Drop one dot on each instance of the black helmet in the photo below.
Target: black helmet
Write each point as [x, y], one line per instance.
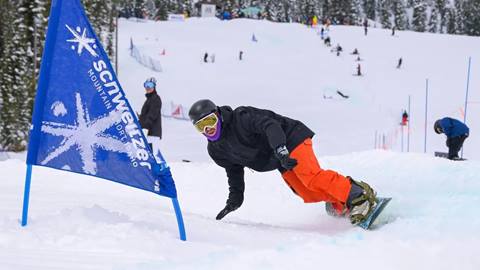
[437, 127]
[200, 109]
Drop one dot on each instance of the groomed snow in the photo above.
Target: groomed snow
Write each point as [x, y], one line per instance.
[81, 222]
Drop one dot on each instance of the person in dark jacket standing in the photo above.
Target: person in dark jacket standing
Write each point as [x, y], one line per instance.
[456, 133]
[264, 141]
[150, 117]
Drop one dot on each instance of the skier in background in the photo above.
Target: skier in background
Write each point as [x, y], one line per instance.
[327, 41]
[150, 117]
[359, 70]
[205, 57]
[456, 133]
[399, 62]
[404, 118]
[265, 141]
[338, 49]
[365, 26]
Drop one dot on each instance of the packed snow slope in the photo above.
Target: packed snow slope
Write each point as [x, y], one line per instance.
[291, 71]
[82, 222]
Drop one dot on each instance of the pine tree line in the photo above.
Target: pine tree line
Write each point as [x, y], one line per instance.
[22, 37]
[23, 27]
[435, 16]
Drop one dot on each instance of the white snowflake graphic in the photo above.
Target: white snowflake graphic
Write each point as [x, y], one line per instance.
[87, 135]
[58, 109]
[83, 41]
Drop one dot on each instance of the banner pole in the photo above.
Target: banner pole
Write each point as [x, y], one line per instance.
[426, 116]
[408, 125]
[466, 96]
[178, 214]
[26, 194]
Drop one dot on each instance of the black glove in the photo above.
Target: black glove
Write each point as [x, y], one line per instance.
[284, 156]
[228, 208]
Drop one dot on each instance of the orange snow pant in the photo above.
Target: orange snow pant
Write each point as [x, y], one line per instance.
[312, 183]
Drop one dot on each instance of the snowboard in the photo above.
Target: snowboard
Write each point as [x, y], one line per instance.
[445, 155]
[367, 224]
[382, 202]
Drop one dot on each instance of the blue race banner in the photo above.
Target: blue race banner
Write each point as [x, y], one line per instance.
[82, 121]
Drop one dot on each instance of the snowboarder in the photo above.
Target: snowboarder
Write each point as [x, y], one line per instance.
[150, 117]
[456, 133]
[265, 141]
[399, 62]
[205, 57]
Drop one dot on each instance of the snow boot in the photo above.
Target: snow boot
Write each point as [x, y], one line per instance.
[336, 209]
[360, 202]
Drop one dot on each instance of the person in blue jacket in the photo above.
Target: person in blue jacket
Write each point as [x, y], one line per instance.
[456, 133]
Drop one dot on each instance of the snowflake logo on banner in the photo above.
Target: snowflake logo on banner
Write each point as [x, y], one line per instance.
[82, 40]
[87, 135]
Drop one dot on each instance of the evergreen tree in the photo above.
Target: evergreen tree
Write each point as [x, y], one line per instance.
[441, 6]
[101, 14]
[325, 7]
[162, 10]
[472, 13]
[286, 11]
[369, 8]
[272, 10]
[341, 12]
[356, 13]
[419, 16]
[3, 25]
[139, 9]
[433, 21]
[399, 14]
[450, 17]
[16, 72]
[384, 11]
[459, 17]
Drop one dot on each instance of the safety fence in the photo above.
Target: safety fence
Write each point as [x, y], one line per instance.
[177, 111]
[143, 58]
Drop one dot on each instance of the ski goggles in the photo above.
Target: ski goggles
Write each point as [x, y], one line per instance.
[149, 85]
[210, 121]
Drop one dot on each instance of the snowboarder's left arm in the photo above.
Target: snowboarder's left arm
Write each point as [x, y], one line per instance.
[262, 124]
[271, 128]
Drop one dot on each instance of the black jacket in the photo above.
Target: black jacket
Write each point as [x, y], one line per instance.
[248, 139]
[150, 116]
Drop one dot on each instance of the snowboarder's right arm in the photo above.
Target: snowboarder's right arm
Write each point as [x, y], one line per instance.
[236, 184]
[236, 188]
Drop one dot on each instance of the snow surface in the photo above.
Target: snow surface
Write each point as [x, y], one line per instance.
[82, 222]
